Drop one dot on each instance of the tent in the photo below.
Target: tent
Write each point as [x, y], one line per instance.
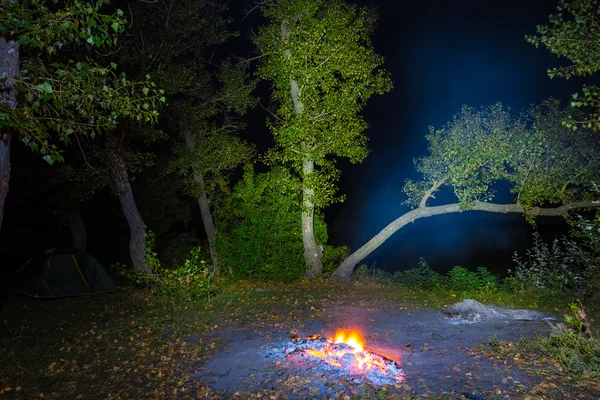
[63, 272]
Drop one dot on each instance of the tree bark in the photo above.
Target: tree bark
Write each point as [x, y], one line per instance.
[344, 271]
[137, 240]
[312, 251]
[78, 231]
[9, 69]
[207, 221]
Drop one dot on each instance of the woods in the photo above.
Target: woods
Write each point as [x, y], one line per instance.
[151, 100]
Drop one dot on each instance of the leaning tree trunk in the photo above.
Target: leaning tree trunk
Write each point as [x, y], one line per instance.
[312, 251]
[137, 240]
[9, 69]
[344, 271]
[78, 231]
[209, 226]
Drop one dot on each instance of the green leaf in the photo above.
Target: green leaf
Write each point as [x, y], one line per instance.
[145, 90]
[45, 87]
[115, 26]
[49, 159]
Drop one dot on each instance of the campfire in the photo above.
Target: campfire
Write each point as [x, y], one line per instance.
[345, 355]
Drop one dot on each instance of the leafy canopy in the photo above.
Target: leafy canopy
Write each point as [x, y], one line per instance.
[544, 161]
[574, 33]
[318, 55]
[60, 96]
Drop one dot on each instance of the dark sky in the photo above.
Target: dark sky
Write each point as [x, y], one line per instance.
[443, 54]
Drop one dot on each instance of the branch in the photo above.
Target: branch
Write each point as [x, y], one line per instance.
[429, 193]
[343, 272]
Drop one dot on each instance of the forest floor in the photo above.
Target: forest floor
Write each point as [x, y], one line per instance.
[132, 344]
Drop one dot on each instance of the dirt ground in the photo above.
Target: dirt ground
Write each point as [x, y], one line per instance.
[433, 351]
[132, 345]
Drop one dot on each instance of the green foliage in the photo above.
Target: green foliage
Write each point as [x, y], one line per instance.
[570, 266]
[260, 232]
[574, 33]
[421, 277]
[469, 154]
[573, 345]
[550, 163]
[544, 161]
[461, 279]
[190, 282]
[332, 257]
[58, 96]
[319, 58]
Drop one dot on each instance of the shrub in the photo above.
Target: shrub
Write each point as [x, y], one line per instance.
[260, 234]
[421, 277]
[570, 265]
[191, 282]
[573, 347]
[332, 258]
[461, 279]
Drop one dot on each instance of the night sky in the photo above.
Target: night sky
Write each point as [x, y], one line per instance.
[441, 55]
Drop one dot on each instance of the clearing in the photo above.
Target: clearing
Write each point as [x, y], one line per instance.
[131, 344]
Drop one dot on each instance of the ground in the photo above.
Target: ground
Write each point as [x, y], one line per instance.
[131, 344]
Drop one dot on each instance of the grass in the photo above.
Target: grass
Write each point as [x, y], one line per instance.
[134, 344]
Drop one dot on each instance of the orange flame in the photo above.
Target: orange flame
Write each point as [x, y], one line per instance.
[352, 338]
[354, 357]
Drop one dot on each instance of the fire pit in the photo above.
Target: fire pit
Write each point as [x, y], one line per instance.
[344, 355]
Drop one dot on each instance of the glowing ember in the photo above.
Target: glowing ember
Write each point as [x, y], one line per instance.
[346, 354]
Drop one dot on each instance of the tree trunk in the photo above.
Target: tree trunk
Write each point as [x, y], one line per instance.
[207, 221]
[312, 251]
[137, 240]
[78, 232]
[344, 271]
[9, 68]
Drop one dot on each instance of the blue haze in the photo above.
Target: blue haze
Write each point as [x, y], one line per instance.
[442, 55]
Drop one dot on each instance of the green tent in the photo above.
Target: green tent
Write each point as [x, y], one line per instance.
[63, 272]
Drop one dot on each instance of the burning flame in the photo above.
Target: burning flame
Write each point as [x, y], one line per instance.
[352, 338]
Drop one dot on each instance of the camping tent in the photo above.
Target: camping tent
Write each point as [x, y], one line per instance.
[63, 272]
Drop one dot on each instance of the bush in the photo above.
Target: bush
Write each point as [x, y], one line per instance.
[570, 266]
[421, 277]
[461, 279]
[572, 345]
[332, 258]
[260, 233]
[193, 281]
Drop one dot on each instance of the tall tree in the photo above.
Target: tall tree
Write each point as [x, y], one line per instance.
[574, 33]
[319, 58]
[175, 43]
[550, 168]
[47, 96]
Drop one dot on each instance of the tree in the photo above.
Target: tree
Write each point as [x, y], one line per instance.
[574, 33]
[173, 42]
[323, 68]
[48, 97]
[551, 169]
